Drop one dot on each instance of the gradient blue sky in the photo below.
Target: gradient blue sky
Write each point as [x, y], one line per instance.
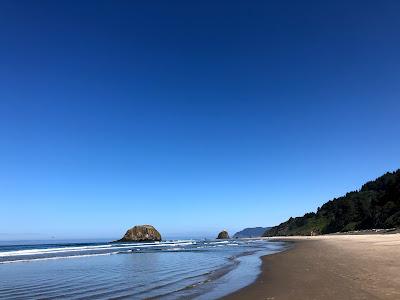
[193, 116]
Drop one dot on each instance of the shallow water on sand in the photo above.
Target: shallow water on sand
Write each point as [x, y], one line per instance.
[167, 270]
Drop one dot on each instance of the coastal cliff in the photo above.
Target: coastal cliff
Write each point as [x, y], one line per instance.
[375, 205]
[250, 232]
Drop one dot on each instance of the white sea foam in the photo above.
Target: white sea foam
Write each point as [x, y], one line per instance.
[216, 243]
[52, 251]
[58, 257]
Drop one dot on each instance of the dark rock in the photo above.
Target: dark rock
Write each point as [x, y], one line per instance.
[141, 233]
[223, 235]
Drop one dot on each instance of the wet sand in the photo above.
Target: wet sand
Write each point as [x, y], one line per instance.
[330, 267]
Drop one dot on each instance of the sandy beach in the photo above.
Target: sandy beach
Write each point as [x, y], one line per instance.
[330, 267]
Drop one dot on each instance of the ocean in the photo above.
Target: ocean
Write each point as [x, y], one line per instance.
[176, 269]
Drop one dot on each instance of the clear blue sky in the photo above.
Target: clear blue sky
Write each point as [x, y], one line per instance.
[193, 116]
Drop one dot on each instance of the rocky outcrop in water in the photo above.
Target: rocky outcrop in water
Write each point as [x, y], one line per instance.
[223, 235]
[141, 233]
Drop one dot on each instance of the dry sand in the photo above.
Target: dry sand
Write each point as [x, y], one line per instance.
[330, 267]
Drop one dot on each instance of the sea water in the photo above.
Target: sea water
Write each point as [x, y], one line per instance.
[167, 270]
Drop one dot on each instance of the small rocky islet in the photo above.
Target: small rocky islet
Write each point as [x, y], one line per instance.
[223, 235]
[148, 233]
[141, 233]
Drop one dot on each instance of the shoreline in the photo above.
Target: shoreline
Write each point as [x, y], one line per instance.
[244, 272]
[329, 267]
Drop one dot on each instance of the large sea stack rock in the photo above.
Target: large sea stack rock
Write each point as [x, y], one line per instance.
[223, 235]
[141, 233]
